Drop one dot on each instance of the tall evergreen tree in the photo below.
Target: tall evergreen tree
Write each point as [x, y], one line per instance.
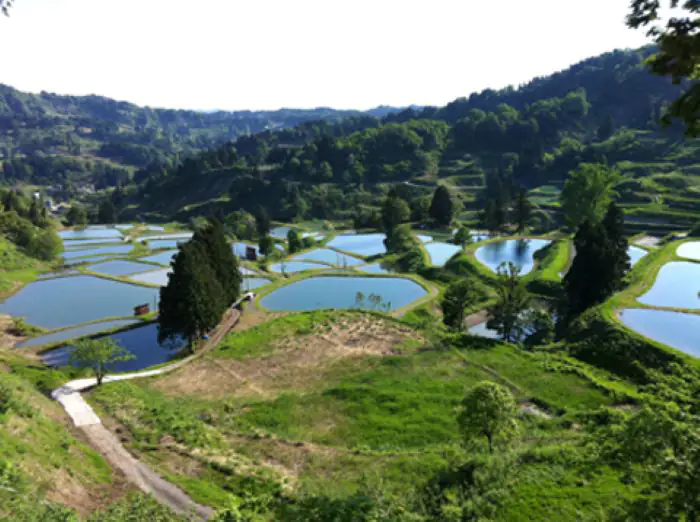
[522, 211]
[600, 264]
[614, 223]
[107, 213]
[221, 258]
[442, 207]
[192, 302]
[262, 222]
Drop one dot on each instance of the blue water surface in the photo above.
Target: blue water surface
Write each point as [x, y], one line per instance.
[517, 251]
[68, 301]
[74, 333]
[318, 293]
[677, 330]
[676, 286]
[141, 342]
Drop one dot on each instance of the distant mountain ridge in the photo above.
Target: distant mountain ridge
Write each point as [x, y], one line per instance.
[47, 138]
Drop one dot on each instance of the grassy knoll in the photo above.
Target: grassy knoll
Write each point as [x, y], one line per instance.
[314, 407]
[40, 459]
[16, 268]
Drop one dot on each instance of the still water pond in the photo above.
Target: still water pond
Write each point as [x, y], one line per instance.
[165, 243]
[441, 252]
[117, 249]
[155, 277]
[67, 301]
[360, 244]
[74, 333]
[676, 286]
[520, 252]
[91, 233]
[141, 342]
[77, 261]
[375, 268]
[326, 255]
[636, 254]
[680, 331]
[292, 267]
[119, 267]
[163, 258]
[87, 243]
[251, 283]
[314, 293]
[690, 250]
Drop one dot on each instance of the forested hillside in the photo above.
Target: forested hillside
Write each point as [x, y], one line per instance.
[52, 139]
[605, 109]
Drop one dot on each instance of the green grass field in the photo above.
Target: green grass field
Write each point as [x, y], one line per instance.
[385, 413]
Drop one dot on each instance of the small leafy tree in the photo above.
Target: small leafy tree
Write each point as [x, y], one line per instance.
[294, 241]
[267, 245]
[394, 212]
[488, 410]
[507, 314]
[463, 236]
[77, 216]
[98, 355]
[588, 192]
[458, 297]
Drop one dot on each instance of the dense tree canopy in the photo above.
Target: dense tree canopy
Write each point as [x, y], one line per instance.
[679, 53]
[587, 193]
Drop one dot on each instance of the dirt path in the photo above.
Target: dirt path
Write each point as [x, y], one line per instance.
[85, 418]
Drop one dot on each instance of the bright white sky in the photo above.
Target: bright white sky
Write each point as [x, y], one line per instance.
[267, 54]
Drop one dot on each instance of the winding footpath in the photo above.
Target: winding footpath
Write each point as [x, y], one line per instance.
[109, 446]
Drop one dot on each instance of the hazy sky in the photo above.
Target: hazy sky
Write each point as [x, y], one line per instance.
[266, 54]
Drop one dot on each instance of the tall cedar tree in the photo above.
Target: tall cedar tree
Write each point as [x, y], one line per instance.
[192, 302]
[442, 207]
[221, 258]
[600, 264]
[523, 209]
[614, 223]
[107, 213]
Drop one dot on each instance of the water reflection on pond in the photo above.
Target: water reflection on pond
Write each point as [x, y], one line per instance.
[141, 342]
[360, 244]
[73, 333]
[676, 286]
[67, 301]
[520, 252]
[440, 253]
[680, 331]
[326, 255]
[318, 293]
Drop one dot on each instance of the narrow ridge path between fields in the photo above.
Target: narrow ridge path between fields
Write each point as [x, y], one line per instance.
[109, 446]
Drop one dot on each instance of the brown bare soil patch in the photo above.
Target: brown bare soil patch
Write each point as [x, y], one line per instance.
[295, 362]
[8, 338]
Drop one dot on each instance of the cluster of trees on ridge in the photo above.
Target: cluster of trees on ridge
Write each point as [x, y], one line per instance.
[25, 221]
[593, 112]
